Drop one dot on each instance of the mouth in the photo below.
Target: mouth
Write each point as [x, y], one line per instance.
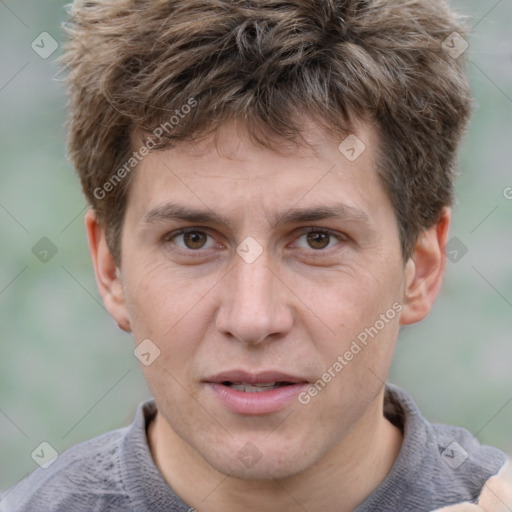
[255, 382]
[255, 388]
[255, 393]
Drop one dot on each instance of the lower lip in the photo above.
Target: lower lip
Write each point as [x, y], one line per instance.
[263, 402]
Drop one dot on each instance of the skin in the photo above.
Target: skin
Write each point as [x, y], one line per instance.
[295, 309]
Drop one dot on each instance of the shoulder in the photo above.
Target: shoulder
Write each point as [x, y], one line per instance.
[114, 472]
[84, 477]
[482, 474]
[463, 462]
[496, 495]
[438, 465]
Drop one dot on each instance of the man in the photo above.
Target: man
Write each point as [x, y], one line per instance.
[270, 187]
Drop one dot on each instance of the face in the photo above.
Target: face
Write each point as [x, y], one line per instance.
[272, 284]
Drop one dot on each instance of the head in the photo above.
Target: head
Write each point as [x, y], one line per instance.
[228, 119]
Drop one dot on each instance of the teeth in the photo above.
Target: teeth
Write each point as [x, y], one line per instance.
[254, 388]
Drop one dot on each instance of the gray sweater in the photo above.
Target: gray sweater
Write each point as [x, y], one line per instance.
[437, 466]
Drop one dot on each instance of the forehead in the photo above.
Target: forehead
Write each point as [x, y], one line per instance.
[227, 173]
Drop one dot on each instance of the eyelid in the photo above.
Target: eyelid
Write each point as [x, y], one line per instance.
[309, 229]
[170, 236]
[342, 237]
[299, 232]
[341, 240]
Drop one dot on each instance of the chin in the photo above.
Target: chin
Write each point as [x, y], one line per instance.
[268, 462]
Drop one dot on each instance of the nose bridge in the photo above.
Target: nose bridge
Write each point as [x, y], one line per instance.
[253, 282]
[253, 307]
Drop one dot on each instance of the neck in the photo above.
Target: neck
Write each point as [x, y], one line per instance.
[339, 482]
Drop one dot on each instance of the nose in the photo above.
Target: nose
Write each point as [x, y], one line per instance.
[255, 305]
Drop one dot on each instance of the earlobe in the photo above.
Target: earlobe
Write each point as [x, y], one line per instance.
[108, 275]
[424, 271]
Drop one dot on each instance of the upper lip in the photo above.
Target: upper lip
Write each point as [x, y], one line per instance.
[263, 377]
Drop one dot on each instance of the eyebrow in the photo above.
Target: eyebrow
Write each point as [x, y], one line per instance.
[173, 211]
[338, 211]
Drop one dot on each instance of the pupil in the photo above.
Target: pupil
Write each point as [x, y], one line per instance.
[194, 240]
[318, 240]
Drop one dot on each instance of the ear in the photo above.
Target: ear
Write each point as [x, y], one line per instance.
[108, 275]
[424, 271]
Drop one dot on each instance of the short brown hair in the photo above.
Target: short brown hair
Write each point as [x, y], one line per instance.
[135, 63]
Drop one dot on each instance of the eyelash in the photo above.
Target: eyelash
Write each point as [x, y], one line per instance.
[190, 252]
[340, 237]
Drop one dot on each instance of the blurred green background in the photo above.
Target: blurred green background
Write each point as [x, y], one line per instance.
[67, 373]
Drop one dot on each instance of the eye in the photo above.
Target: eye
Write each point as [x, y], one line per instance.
[318, 239]
[191, 239]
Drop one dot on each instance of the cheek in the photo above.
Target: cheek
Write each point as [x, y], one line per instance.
[160, 299]
[361, 310]
[174, 312]
[353, 299]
